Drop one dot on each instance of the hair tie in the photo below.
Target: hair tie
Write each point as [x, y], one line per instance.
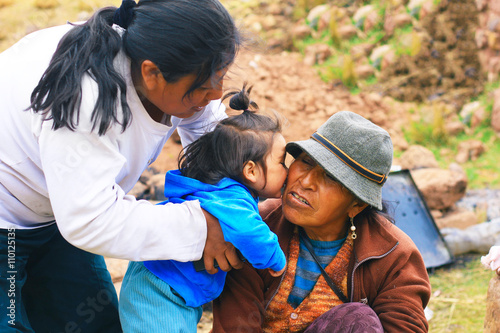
[124, 15]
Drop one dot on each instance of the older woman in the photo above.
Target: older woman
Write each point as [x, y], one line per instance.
[349, 268]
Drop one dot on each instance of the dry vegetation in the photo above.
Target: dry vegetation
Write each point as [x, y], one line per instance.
[20, 17]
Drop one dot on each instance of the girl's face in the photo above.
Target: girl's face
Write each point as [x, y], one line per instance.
[317, 202]
[271, 182]
[170, 99]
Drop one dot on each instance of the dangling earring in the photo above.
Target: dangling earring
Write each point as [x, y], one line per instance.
[353, 228]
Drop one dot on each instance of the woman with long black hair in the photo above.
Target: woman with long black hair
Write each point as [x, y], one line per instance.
[85, 109]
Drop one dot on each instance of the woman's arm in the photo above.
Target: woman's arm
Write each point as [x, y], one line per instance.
[82, 173]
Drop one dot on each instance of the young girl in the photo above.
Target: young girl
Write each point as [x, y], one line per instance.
[227, 170]
[85, 109]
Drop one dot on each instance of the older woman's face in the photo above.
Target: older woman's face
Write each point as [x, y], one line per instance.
[315, 201]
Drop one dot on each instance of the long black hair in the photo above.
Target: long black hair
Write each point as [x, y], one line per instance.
[234, 141]
[180, 37]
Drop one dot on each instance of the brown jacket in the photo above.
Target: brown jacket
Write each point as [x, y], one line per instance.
[387, 272]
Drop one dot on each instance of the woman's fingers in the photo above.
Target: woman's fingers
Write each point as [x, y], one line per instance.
[215, 244]
[216, 248]
[233, 257]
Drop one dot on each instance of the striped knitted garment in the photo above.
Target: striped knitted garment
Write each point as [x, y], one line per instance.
[282, 317]
[308, 271]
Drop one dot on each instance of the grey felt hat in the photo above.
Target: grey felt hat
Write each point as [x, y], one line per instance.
[353, 150]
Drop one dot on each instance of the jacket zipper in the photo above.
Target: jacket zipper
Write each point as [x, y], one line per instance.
[363, 261]
[276, 291]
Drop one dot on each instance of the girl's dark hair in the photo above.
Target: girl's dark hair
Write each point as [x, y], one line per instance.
[180, 37]
[234, 141]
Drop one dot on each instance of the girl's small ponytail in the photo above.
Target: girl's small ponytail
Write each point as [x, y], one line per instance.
[240, 100]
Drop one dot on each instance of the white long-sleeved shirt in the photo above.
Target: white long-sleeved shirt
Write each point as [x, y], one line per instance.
[80, 179]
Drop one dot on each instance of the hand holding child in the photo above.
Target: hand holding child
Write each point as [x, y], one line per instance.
[216, 248]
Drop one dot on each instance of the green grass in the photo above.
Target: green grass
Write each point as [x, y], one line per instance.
[484, 172]
[459, 296]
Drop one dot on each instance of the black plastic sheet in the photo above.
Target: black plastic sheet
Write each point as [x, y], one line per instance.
[407, 206]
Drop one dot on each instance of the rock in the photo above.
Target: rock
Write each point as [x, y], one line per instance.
[388, 59]
[440, 188]
[366, 17]
[301, 31]
[275, 9]
[459, 218]
[396, 21]
[483, 200]
[454, 128]
[347, 31]
[492, 318]
[481, 5]
[481, 38]
[147, 174]
[469, 150]
[378, 53]
[428, 7]
[325, 18]
[315, 14]
[156, 186]
[478, 238]
[473, 114]
[316, 54]
[268, 22]
[139, 190]
[371, 20]
[399, 141]
[389, 25]
[361, 50]
[402, 19]
[364, 71]
[417, 157]
[455, 167]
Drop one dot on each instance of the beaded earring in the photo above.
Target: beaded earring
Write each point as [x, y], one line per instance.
[353, 228]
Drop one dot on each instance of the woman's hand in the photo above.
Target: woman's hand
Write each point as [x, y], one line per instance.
[216, 248]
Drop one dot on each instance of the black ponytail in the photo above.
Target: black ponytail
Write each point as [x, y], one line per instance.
[240, 100]
[86, 49]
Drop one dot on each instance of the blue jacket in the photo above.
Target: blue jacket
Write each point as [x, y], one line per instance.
[236, 209]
